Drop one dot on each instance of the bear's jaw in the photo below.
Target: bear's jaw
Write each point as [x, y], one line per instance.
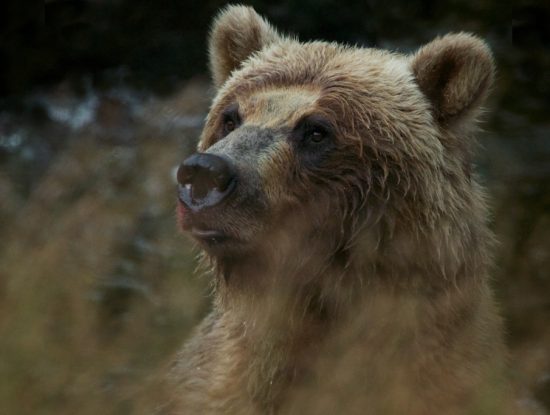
[311, 289]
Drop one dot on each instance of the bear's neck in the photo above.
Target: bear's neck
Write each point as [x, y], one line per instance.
[280, 331]
[290, 313]
[284, 334]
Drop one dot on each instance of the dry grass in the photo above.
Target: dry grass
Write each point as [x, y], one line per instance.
[97, 287]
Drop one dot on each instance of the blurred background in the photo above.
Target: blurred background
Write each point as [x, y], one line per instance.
[99, 102]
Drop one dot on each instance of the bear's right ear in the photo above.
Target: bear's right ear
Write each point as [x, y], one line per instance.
[455, 72]
[237, 32]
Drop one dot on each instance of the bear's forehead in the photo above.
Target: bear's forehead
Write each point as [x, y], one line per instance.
[351, 75]
[324, 64]
[282, 105]
[355, 88]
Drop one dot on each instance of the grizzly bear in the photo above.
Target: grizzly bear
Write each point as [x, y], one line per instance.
[334, 198]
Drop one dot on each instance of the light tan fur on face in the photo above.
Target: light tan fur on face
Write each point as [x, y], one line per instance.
[274, 172]
[370, 294]
[278, 108]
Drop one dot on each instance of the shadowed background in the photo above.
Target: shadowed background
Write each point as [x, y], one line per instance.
[99, 102]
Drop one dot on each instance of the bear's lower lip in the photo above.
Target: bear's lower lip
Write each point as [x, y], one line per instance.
[210, 236]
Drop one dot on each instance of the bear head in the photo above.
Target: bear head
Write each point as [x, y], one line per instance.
[321, 156]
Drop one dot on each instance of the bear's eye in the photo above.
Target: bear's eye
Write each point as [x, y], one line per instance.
[313, 130]
[230, 120]
[313, 139]
[229, 125]
[315, 134]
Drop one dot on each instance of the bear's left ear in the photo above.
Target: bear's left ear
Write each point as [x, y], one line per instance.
[455, 72]
[237, 32]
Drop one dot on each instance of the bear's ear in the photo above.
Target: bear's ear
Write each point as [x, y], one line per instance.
[455, 72]
[237, 32]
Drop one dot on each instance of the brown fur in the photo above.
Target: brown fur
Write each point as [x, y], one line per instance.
[360, 281]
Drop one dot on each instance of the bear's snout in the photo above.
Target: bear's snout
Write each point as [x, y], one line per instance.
[205, 180]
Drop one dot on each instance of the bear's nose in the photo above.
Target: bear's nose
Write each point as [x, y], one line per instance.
[205, 180]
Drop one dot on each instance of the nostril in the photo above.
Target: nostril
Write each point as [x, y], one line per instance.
[222, 180]
[205, 180]
[184, 175]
